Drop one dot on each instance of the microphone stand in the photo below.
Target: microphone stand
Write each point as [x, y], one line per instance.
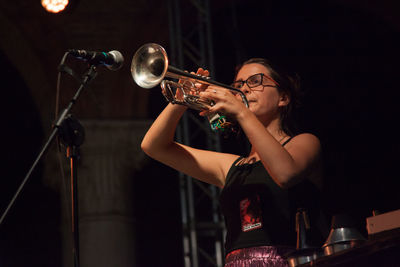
[88, 77]
[72, 135]
[72, 154]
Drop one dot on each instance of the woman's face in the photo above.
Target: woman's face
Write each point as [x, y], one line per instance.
[265, 99]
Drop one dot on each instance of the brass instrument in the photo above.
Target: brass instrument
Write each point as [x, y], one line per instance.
[150, 66]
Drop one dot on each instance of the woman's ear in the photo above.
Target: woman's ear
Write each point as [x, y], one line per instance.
[284, 100]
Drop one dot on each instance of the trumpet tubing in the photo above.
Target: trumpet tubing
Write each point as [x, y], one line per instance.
[150, 66]
[189, 97]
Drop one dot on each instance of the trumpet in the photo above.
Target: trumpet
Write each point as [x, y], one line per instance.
[150, 66]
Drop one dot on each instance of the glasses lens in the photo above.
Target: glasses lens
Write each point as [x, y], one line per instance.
[254, 80]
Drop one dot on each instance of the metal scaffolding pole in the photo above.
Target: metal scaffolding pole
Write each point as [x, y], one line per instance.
[202, 224]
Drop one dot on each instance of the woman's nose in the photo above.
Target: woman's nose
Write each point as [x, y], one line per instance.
[245, 89]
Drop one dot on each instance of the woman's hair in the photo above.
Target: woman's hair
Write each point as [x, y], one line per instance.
[288, 84]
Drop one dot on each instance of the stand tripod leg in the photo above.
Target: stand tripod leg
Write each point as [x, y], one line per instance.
[71, 154]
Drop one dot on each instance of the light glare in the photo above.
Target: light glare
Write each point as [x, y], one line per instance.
[54, 6]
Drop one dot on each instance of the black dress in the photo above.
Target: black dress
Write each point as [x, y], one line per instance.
[258, 212]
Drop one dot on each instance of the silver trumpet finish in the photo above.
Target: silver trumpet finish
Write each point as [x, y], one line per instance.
[189, 92]
[150, 66]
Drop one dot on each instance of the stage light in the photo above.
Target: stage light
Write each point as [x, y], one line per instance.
[54, 6]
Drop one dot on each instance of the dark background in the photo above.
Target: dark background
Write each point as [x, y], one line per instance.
[346, 52]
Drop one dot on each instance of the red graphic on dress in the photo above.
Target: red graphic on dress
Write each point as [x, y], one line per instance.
[250, 213]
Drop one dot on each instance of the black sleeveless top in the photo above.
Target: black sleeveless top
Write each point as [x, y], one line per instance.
[260, 213]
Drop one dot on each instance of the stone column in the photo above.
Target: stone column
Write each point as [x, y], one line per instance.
[110, 156]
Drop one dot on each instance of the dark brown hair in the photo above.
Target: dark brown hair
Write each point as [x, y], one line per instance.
[289, 85]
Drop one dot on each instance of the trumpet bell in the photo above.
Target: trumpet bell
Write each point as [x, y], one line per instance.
[149, 65]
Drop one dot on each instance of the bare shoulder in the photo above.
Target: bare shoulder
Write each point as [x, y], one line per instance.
[305, 148]
[305, 140]
[306, 137]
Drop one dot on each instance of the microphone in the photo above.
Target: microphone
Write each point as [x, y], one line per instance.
[113, 60]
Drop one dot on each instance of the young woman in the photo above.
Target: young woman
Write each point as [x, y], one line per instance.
[262, 190]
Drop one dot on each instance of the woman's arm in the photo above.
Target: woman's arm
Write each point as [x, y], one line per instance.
[286, 165]
[208, 166]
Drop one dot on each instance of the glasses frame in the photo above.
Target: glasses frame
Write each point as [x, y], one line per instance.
[261, 83]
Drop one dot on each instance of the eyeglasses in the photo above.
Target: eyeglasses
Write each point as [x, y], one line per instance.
[254, 81]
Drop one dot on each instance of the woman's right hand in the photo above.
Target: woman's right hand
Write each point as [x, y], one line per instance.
[189, 82]
[203, 73]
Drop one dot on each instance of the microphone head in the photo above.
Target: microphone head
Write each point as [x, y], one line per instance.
[118, 60]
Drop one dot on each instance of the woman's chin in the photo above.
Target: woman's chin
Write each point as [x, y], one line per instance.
[253, 106]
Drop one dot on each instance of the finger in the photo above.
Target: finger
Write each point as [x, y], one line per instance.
[206, 112]
[208, 94]
[203, 72]
[218, 88]
[181, 80]
[212, 88]
[213, 94]
[217, 107]
[203, 113]
[203, 86]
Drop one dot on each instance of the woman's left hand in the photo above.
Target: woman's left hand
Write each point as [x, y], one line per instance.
[225, 102]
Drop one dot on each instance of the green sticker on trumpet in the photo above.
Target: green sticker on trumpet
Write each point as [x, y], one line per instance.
[218, 122]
